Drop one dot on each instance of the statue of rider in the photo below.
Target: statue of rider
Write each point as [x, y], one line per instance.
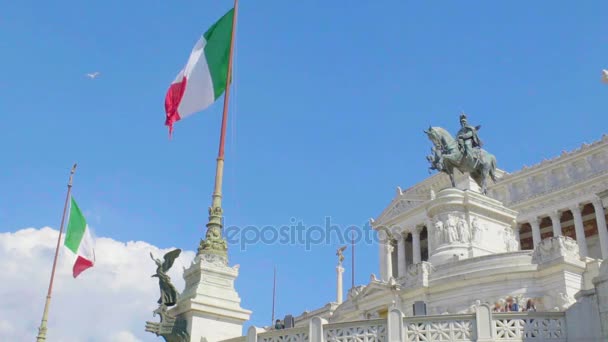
[467, 137]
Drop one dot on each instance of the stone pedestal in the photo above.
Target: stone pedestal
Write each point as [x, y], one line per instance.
[467, 224]
[209, 302]
[465, 182]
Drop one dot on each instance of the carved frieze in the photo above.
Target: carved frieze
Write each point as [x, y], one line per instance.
[451, 228]
[563, 200]
[555, 247]
[477, 230]
[552, 176]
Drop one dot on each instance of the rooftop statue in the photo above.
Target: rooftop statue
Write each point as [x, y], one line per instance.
[463, 153]
[172, 329]
[340, 254]
[168, 294]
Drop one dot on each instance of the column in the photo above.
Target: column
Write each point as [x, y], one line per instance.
[339, 273]
[600, 218]
[417, 257]
[401, 262]
[535, 225]
[557, 226]
[381, 258]
[428, 237]
[516, 228]
[579, 229]
[388, 251]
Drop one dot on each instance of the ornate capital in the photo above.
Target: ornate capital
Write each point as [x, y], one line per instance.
[576, 209]
[534, 222]
[555, 215]
[597, 201]
[389, 248]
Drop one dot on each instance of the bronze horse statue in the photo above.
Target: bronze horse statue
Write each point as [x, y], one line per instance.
[447, 156]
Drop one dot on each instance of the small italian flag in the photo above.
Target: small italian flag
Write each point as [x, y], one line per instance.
[78, 239]
[203, 79]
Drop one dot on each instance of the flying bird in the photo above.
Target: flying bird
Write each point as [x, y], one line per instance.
[605, 76]
[93, 75]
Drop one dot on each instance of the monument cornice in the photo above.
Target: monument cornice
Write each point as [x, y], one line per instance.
[563, 198]
[565, 157]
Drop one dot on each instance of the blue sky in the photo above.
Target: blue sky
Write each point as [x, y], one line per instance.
[327, 118]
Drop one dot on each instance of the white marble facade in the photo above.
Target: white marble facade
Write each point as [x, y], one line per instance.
[534, 237]
[536, 240]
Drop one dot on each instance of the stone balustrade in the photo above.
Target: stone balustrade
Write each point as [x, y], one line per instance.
[480, 326]
[292, 335]
[530, 326]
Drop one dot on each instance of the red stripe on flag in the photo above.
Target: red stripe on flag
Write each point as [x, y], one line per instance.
[172, 100]
[80, 265]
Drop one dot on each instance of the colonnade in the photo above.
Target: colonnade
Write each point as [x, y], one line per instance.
[397, 251]
[579, 229]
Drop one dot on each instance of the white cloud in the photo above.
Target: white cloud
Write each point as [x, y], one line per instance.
[109, 302]
[124, 336]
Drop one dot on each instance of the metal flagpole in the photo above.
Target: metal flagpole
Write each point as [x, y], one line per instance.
[42, 329]
[353, 259]
[274, 287]
[214, 243]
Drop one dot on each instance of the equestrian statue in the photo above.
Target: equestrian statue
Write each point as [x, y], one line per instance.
[463, 153]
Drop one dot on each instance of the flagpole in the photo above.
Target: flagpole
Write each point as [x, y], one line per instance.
[274, 286]
[42, 329]
[214, 243]
[353, 259]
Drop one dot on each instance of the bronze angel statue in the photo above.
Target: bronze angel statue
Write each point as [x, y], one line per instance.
[168, 294]
[340, 254]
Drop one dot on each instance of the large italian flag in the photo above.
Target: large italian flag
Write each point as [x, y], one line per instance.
[78, 239]
[203, 79]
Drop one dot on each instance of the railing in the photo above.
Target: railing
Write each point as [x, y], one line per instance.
[362, 331]
[532, 326]
[481, 326]
[440, 328]
[286, 335]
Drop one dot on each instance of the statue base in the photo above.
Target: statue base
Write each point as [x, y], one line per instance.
[467, 224]
[209, 303]
[465, 182]
[170, 328]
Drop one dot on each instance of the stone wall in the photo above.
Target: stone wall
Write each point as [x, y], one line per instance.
[587, 319]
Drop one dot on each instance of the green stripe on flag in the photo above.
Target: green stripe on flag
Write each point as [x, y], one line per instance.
[217, 51]
[76, 227]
